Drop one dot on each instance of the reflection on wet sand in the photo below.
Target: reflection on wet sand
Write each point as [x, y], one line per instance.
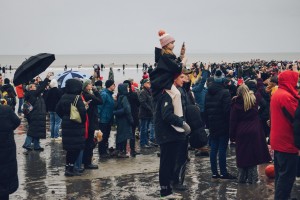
[41, 176]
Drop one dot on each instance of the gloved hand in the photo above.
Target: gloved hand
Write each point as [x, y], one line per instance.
[186, 127]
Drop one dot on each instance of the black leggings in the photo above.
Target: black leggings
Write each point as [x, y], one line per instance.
[71, 156]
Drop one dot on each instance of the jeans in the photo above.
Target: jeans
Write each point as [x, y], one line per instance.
[29, 140]
[285, 173]
[78, 162]
[55, 122]
[145, 125]
[21, 101]
[218, 146]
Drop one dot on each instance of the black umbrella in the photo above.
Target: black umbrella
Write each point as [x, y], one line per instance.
[32, 67]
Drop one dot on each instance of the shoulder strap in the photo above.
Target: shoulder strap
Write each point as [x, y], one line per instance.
[76, 100]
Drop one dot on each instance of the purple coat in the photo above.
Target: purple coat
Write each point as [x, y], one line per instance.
[246, 130]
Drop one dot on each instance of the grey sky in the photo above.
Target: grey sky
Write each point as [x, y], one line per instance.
[119, 26]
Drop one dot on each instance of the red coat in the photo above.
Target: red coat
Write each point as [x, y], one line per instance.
[282, 136]
[20, 91]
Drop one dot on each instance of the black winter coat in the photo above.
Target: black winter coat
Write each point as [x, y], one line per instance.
[163, 119]
[37, 117]
[95, 100]
[53, 97]
[9, 182]
[217, 106]
[134, 102]
[72, 132]
[146, 106]
[162, 77]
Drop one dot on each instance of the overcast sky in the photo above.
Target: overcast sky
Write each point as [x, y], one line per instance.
[119, 26]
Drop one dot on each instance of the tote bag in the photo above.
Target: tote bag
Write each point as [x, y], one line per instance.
[74, 114]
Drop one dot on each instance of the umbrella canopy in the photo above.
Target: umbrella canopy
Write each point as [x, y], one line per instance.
[32, 67]
[62, 78]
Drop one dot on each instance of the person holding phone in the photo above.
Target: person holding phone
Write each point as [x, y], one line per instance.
[92, 97]
[168, 67]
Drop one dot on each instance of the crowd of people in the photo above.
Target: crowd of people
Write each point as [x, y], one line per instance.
[249, 104]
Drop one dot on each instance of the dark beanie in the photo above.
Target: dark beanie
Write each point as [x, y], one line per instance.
[219, 76]
[109, 83]
[98, 83]
[6, 81]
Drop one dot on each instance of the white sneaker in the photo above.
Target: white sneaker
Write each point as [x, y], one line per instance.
[58, 139]
[178, 129]
[172, 196]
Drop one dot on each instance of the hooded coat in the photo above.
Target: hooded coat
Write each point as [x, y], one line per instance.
[37, 117]
[9, 182]
[247, 131]
[72, 132]
[53, 96]
[285, 99]
[162, 77]
[123, 115]
[217, 107]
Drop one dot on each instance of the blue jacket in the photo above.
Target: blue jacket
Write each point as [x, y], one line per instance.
[200, 91]
[106, 109]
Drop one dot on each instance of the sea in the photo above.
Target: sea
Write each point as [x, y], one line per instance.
[131, 60]
[84, 63]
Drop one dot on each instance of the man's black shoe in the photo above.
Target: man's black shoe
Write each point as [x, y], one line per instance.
[39, 149]
[27, 148]
[91, 166]
[228, 176]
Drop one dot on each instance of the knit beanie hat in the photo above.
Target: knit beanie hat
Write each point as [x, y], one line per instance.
[98, 83]
[53, 83]
[86, 83]
[164, 38]
[219, 76]
[144, 81]
[109, 83]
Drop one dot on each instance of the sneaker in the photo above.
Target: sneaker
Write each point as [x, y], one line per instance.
[172, 196]
[27, 148]
[153, 144]
[39, 149]
[58, 139]
[216, 176]
[228, 176]
[145, 146]
[122, 155]
[134, 154]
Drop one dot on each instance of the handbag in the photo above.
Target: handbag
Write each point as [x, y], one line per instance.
[74, 113]
[26, 108]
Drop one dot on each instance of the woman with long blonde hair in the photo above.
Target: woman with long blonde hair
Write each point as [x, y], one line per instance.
[246, 130]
